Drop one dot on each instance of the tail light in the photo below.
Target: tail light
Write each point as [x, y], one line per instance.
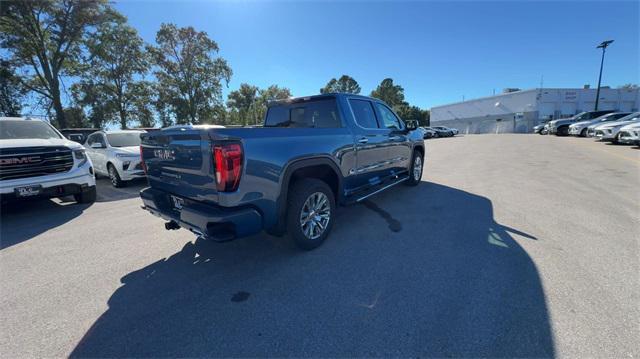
[227, 161]
[144, 165]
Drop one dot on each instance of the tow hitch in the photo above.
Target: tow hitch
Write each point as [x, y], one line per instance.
[171, 225]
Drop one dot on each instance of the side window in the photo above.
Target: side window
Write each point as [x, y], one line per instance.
[363, 111]
[389, 119]
[91, 140]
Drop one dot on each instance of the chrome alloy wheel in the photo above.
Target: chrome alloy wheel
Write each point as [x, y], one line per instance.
[417, 168]
[113, 176]
[315, 215]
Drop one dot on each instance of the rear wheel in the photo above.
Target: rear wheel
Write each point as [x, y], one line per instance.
[563, 131]
[415, 172]
[88, 196]
[114, 177]
[583, 133]
[310, 212]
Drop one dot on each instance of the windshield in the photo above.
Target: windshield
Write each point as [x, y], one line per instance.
[125, 139]
[581, 116]
[26, 129]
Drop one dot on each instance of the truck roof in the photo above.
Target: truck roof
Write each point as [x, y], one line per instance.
[316, 97]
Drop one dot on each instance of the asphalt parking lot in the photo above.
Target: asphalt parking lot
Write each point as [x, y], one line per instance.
[513, 245]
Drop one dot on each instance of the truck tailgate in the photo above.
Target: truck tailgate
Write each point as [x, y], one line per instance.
[179, 161]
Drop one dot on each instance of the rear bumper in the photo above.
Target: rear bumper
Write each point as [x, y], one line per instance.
[213, 222]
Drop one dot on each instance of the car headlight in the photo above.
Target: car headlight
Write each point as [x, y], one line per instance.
[80, 155]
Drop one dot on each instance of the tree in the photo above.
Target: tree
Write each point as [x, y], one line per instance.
[75, 117]
[45, 37]
[345, 84]
[271, 93]
[189, 73]
[11, 91]
[243, 103]
[629, 86]
[408, 112]
[392, 94]
[117, 59]
[90, 98]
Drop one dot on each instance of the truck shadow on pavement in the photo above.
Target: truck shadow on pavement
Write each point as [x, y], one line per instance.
[446, 280]
[21, 221]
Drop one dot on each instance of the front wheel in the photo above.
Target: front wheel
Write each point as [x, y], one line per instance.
[114, 177]
[310, 213]
[415, 172]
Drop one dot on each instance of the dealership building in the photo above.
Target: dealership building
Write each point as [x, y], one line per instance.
[519, 110]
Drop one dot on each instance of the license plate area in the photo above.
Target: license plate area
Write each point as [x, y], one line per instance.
[28, 191]
[176, 202]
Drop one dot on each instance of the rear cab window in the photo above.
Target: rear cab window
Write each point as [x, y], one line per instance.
[315, 113]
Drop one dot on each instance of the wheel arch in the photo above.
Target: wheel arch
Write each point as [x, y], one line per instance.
[320, 167]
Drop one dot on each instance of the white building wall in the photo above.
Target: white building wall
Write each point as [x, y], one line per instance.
[520, 111]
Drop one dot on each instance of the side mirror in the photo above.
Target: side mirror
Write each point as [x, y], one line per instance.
[411, 125]
[97, 145]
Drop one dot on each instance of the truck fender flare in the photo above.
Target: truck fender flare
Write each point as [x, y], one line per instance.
[290, 168]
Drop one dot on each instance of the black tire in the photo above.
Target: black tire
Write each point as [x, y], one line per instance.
[436, 135]
[616, 139]
[299, 194]
[114, 177]
[563, 131]
[583, 133]
[88, 196]
[414, 178]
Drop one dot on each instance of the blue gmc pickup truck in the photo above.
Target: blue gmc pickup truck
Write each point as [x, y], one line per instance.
[311, 154]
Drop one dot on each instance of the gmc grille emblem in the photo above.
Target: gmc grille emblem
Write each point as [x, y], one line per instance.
[19, 160]
[167, 155]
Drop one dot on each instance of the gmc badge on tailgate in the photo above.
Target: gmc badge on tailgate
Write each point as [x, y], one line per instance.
[164, 154]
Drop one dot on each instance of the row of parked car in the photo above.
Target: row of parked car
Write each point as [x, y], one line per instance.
[616, 127]
[438, 131]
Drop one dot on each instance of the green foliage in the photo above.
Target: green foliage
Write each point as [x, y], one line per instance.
[46, 37]
[189, 73]
[248, 104]
[11, 90]
[117, 58]
[629, 86]
[392, 95]
[242, 103]
[345, 84]
[408, 112]
[76, 118]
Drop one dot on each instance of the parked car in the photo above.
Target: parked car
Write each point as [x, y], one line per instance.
[311, 154]
[630, 134]
[582, 128]
[428, 132]
[37, 161]
[609, 131]
[116, 154]
[442, 131]
[561, 127]
[538, 129]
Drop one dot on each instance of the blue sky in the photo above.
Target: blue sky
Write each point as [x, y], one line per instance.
[438, 51]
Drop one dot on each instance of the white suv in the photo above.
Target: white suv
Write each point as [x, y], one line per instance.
[116, 154]
[37, 161]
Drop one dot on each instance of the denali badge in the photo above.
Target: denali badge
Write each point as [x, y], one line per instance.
[19, 160]
[167, 155]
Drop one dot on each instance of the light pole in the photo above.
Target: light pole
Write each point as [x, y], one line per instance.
[603, 45]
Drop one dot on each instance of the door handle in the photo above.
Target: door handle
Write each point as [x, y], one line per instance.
[363, 140]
